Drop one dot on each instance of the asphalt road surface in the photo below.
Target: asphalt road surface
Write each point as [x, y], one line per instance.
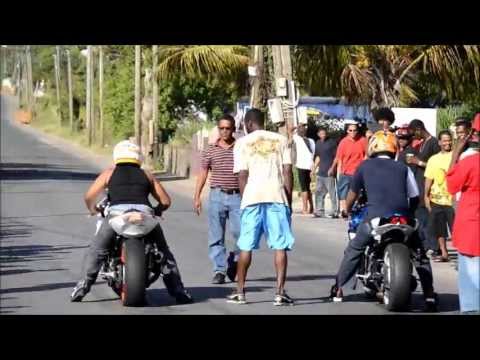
[45, 232]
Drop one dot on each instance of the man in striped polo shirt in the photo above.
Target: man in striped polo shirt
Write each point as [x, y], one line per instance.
[224, 199]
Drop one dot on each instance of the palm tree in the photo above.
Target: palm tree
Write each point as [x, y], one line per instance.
[387, 75]
[224, 61]
[318, 68]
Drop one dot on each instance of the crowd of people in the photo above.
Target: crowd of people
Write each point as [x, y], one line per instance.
[431, 161]
[251, 187]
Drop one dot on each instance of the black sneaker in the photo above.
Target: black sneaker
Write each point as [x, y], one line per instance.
[219, 278]
[431, 304]
[79, 291]
[232, 267]
[237, 298]
[283, 299]
[183, 298]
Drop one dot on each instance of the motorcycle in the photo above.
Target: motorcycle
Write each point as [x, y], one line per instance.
[386, 265]
[134, 261]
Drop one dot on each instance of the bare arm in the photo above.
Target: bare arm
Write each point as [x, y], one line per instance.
[158, 192]
[316, 164]
[242, 180]
[458, 149]
[428, 187]
[96, 189]
[332, 170]
[350, 200]
[288, 178]
[201, 179]
[416, 161]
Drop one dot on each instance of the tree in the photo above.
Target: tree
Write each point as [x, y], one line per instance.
[203, 61]
[388, 75]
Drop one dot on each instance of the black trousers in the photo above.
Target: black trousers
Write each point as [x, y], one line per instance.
[102, 243]
[424, 229]
[356, 248]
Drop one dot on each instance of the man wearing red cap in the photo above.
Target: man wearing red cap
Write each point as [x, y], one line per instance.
[464, 176]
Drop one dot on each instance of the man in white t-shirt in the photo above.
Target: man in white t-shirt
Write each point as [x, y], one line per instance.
[305, 148]
[263, 162]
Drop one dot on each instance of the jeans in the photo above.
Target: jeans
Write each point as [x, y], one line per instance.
[469, 282]
[356, 248]
[325, 185]
[424, 229]
[221, 207]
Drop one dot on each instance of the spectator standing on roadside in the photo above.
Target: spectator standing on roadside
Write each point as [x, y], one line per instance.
[429, 147]
[325, 150]
[438, 201]
[305, 147]
[351, 152]
[464, 176]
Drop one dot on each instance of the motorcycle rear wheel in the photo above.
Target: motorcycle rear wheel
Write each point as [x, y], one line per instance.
[134, 273]
[397, 270]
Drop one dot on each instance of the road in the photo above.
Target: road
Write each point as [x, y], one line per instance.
[45, 232]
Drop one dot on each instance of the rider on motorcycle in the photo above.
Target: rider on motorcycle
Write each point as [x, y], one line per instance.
[128, 187]
[390, 188]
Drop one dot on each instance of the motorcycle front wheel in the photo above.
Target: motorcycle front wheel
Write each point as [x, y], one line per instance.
[397, 270]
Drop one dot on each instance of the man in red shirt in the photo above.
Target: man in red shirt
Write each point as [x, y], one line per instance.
[464, 176]
[350, 153]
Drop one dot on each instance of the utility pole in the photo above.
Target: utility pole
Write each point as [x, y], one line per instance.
[93, 121]
[282, 67]
[29, 81]
[88, 107]
[4, 62]
[57, 86]
[70, 90]
[256, 95]
[100, 94]
[155, 102]
[138, 129]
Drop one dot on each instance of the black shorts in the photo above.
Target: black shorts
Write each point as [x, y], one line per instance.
[304, 179]
[441, 220]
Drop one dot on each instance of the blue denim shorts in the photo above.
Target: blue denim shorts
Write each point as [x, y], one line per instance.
[343, 186]
[271, 219]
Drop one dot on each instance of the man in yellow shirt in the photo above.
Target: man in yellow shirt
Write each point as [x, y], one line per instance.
[437, 199]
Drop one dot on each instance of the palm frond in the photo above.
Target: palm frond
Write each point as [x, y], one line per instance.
[202, 60]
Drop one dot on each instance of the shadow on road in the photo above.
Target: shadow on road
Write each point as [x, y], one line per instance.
[447, 303]
[44, 287]
[22, 175]
[297, 278]
[3, 311]
[29, 253]
[15, 229]
[160, 297]
[24, 271]
[6, 165]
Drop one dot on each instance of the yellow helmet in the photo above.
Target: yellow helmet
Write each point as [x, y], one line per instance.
[382, 141]
[127, 152]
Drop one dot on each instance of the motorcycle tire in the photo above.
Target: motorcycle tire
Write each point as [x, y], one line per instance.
[134, 273]
[397, 277]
